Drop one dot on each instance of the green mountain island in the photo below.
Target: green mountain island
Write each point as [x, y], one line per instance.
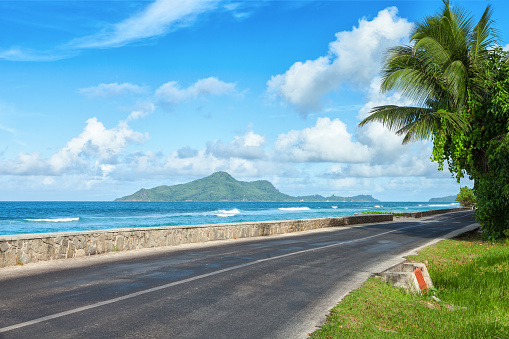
[221, 186]
[449, 198]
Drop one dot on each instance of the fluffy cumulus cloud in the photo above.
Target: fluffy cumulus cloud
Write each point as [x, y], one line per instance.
[96, 148]
[354, 58]
[390, 158]
[171, 93]
[185, 163]
[387, 145]
[248, 146]
[97, 142]
[111, 90]
[327, 141]
[156, 19]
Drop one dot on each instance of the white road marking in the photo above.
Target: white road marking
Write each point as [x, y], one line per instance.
[180, 282]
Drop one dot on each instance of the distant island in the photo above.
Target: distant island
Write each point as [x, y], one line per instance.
[449, 198]
[221, 186]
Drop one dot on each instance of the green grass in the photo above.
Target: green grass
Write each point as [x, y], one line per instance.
[470, 275]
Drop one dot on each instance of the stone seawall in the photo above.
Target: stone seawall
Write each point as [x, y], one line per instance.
[435, 212]
[31, 248]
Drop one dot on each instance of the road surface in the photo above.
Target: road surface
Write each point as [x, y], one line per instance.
[267, 287]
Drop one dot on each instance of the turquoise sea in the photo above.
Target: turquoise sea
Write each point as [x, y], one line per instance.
[43, 217]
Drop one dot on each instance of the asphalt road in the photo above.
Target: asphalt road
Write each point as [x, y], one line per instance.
[271, 287]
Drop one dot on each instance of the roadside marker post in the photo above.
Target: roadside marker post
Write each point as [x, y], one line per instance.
[420, 280]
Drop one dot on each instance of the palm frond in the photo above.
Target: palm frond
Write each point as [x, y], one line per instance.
[431, 123]
[416, 123]
[483, 37]
[457, 76]
[442, 67]
[395, 117]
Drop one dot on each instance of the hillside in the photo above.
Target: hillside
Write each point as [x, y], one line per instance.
[449, 198]
[221, 186]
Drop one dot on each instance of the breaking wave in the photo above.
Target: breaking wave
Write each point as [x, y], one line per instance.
[226, 213]
[444, 205]
[54, 220]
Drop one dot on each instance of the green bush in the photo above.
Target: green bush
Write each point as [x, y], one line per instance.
[466, 197]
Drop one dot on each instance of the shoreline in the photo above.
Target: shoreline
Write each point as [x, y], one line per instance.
[49, 217]
[20, 249]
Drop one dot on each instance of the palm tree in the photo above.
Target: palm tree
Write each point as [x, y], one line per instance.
[439, 72]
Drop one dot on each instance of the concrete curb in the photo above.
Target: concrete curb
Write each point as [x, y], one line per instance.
[405, 276]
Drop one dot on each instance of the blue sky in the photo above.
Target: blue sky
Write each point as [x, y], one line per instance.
[101, 98]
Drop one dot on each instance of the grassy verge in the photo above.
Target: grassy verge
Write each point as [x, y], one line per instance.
[471, 280]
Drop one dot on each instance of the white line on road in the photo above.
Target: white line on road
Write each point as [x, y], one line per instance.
[180, 282]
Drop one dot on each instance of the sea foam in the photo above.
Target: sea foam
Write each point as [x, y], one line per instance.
[294, 208]
[444, 205]
[226, 213]
[55, 220]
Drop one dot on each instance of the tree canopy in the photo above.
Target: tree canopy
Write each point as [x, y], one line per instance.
[458, 79]
[466, 197]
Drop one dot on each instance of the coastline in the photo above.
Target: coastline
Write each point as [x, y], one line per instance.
[32, 248]
[49, 217]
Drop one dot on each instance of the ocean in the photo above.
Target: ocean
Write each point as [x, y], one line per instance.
[44, 217]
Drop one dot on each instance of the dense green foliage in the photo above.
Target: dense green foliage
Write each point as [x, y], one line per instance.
[466, 197]
[221, 186]
[482, 150]
[459, 82]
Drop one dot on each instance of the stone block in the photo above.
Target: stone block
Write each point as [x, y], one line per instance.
[70, 250]
[4, 246]
[9, 258]
[22, 258]
[90, 249]
[80, 253]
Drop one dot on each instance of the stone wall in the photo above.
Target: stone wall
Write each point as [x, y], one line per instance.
[434, 212]
[31, 248]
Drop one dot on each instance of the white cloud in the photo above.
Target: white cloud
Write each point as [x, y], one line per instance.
[237, 10]
[389, 157]
[245, 147]
[408, 165]
[95, 148]
[111, 90]
[142, 111]
[387, 146]
[355, 58]
[327, 141]
[172, 94]
[356, 184]
[198, 164]
[506, 48]
[95, 141]
[31, 164]
[24, 54]
[157, 19]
